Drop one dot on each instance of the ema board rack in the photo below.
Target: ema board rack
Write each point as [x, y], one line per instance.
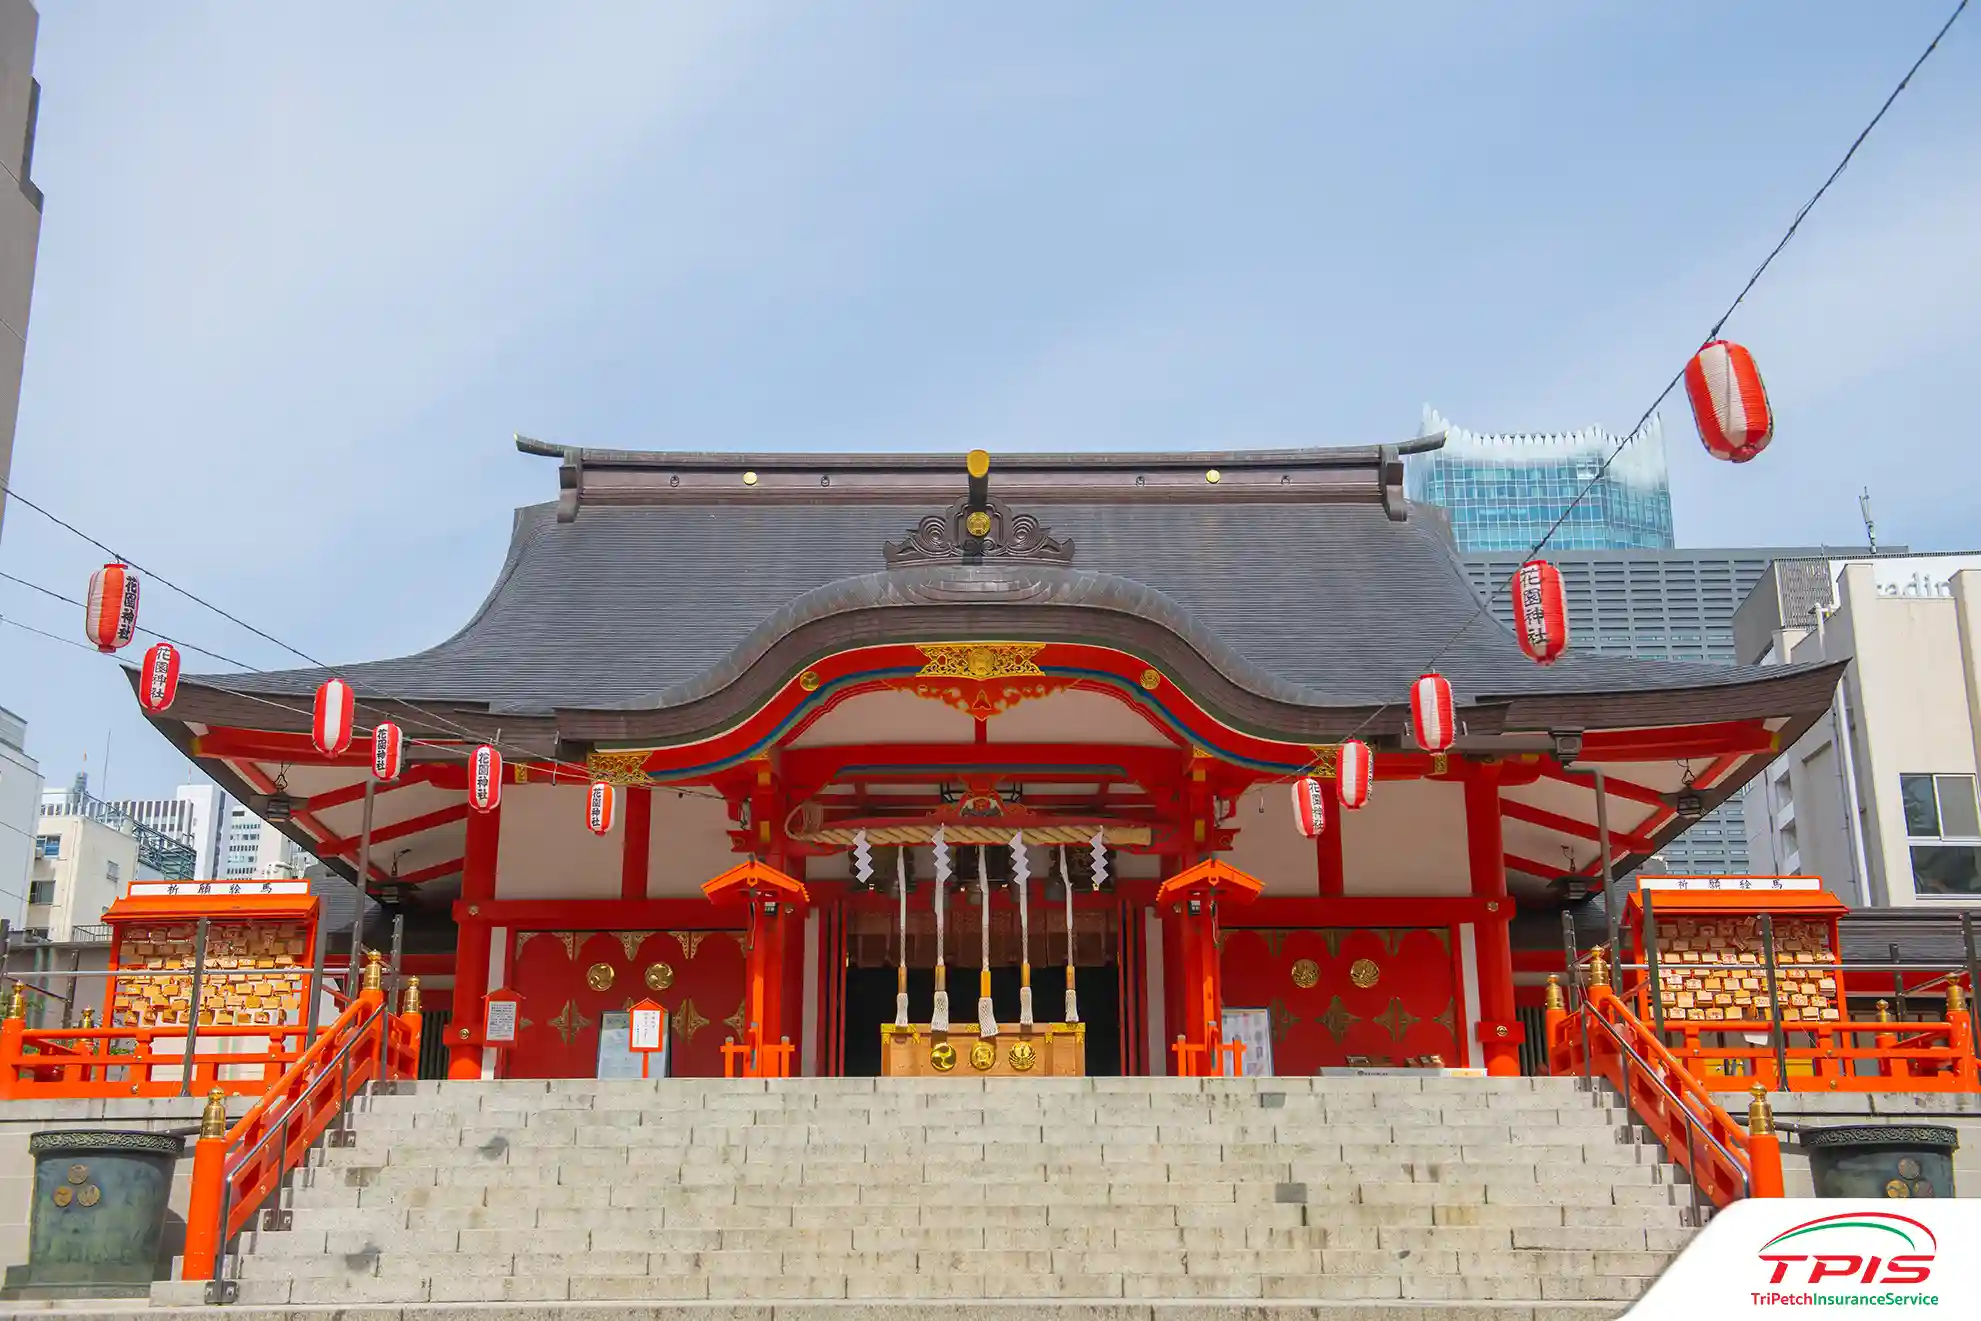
[260, 944]
[1704, 945]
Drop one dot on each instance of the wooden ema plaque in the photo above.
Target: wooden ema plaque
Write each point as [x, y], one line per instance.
[1711, 961]
[260, 945]
[1050, 1050]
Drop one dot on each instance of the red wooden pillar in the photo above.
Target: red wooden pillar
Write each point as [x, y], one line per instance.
[638, 843]
[471, 947]
[1195, 896]
[771, 902]
[1500, 1031]
[1327, 854]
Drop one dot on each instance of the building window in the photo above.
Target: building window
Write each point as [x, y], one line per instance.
[41, 892]
[48, 846]
[109, 871]
[1944, 825]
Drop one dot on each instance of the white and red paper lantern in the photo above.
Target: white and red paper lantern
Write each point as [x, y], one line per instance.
[1540, 611]
[330, 726]
[1310, 807]
[1355, 770]
[1431, 713]
[1729, 403]
[484, 779]
[110, 614]
[158, 679]
[601, 806]
[388, 751]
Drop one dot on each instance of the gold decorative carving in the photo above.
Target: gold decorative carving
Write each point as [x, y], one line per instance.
[687, 1021]
[982, 1056]
[690, 942]
[943, 1056]
[1151, 680]
[1397, 1019]
[600, 976]
[1327, 761]
[982, 701]
[1306, 973]
[570, 1022]
[1365, 973]
[978, 523]
[1337, 1019]
[630, 941]
[809, 681]
[735, 1021]
[659, 977]
[1023, 1057]
[1440, 763]
[618, 767]
[981, 660]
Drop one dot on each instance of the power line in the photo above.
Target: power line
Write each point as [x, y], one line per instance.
[1493, 590]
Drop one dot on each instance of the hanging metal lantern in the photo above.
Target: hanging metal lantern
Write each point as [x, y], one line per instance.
[110, 615]
[1310, 807]
[1431, 713]
[158, 678]
[330, 729]
[1729, 403]
[1355, 769]
[388, 750]
[601, 807]
[484, 779]
[1540, 611]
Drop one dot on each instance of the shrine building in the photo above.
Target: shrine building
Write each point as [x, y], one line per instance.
[1017, 726]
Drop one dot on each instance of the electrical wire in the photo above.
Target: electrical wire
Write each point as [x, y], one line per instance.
[1802, 213]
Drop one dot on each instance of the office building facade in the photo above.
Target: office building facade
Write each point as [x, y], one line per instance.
[1880, 798]
[20, 805]
[1502, 492]
[195, 814]
[20, 211]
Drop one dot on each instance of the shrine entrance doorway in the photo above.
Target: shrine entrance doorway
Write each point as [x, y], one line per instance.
[871, 972]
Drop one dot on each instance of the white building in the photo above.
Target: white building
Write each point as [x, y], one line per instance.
[1880, 799]
[195, 814]
[255, 848]
[83, 860]
[20, 808]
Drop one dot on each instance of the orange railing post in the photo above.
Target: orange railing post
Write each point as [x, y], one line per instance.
[203, 1198]
[11, 1031]
[1554, 1034]
[1961, 1034]
[1764, 1148]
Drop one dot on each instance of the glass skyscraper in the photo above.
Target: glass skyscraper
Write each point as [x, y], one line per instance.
[1503, 492]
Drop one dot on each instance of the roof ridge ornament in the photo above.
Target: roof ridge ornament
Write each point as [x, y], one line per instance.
[976, 528]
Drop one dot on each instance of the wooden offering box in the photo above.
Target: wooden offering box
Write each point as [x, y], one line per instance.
[260, 942]
[1711, 961]
[1048, 1050]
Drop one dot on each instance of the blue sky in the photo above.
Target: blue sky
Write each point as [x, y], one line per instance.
[304, 270]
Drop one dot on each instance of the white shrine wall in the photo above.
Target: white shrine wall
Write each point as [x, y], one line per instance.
[545, 850]
[1409, 839]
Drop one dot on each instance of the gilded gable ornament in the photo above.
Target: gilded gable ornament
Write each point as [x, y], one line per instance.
[1003, 535]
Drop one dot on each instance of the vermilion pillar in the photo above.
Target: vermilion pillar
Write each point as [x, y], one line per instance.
[639, 838]
[471, 948]
[771, 902]
[1500, 1031]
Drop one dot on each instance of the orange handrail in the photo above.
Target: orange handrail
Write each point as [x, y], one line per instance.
[1724, 1160]
[74, 1063]
[235, 1168]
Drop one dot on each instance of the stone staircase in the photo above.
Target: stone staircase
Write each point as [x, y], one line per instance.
[1310, 1189]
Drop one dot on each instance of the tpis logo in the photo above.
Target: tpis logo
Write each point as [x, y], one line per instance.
[1856, 1247]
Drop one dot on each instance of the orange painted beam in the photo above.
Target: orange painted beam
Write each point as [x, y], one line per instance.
[1539, 816]
[412, 825]
[1678, 741]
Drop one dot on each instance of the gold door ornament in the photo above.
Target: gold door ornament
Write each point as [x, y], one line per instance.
[1364, 973]
[600, 976]
[1306, 974]
[659, 977]
[980, 661]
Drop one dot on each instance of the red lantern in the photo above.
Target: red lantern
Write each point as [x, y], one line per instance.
[388, 751]
[1430, 713]
[158, 679]
[601, 807]
[111, 614]
[330, 730]
[1355, 767]
[1310, 807]
[1729, 403]
[1540, 611]
[485, 779]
